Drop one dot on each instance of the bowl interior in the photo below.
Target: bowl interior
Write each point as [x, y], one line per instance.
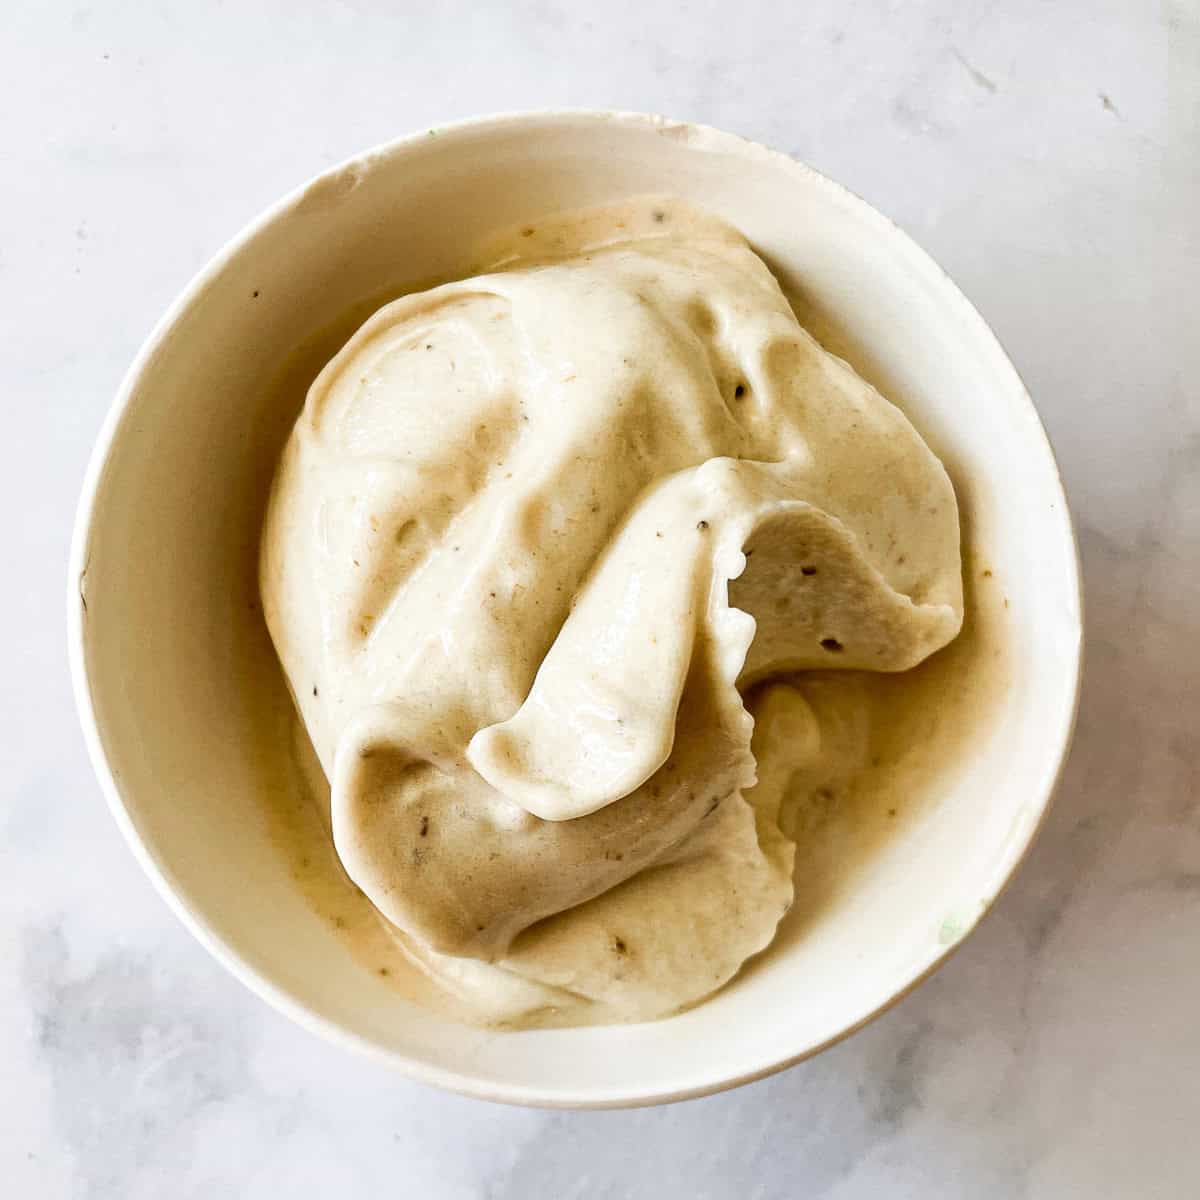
[168, 637]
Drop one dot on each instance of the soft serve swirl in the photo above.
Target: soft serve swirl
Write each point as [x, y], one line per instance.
[532, 539]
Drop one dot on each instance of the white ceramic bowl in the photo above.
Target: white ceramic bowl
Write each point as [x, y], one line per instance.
[163, 628]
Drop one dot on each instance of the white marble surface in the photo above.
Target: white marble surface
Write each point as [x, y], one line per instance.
[1049, 157]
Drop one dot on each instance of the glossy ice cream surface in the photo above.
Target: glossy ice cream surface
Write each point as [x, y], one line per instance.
[535, 539]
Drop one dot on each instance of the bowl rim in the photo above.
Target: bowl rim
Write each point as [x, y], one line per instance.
[159, 871]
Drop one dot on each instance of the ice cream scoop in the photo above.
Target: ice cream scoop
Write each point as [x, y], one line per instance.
[532, 539]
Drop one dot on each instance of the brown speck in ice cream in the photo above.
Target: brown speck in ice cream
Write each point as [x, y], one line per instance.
[832, 645]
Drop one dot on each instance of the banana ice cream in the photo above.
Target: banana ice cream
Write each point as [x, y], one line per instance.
[540, 543]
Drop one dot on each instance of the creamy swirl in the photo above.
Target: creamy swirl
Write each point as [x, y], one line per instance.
[532, 539]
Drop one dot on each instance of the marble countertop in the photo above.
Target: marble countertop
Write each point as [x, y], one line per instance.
[1049, 157]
